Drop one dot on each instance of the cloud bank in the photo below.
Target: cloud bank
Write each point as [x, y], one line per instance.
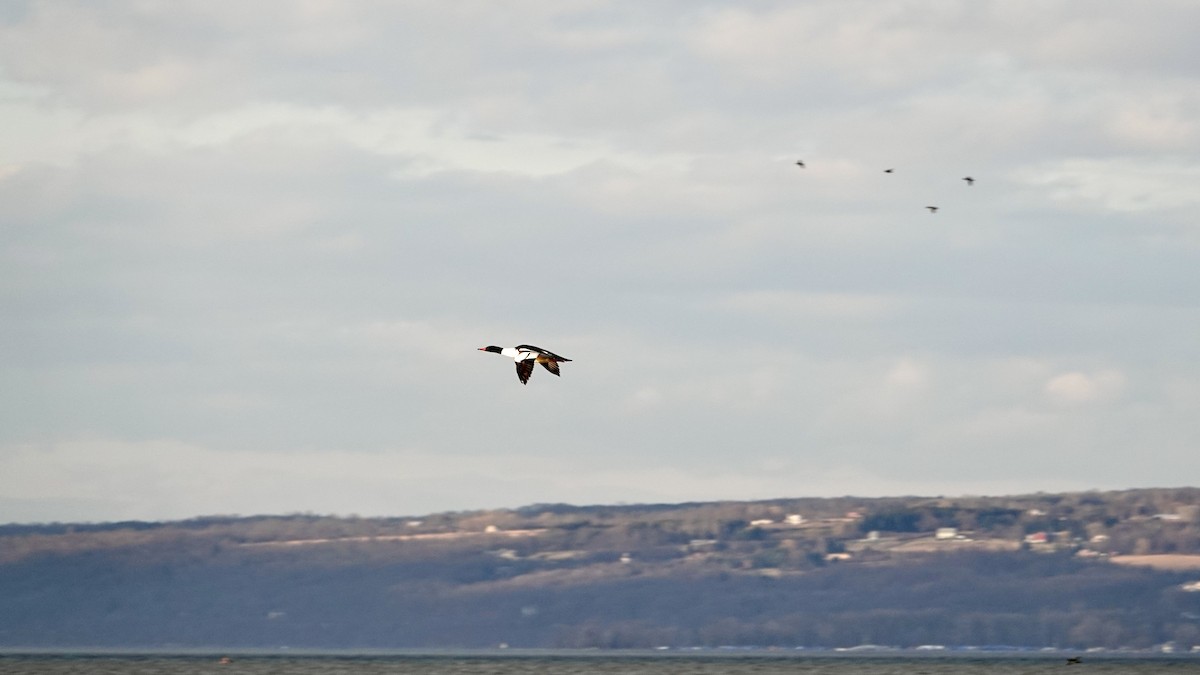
[247, 253]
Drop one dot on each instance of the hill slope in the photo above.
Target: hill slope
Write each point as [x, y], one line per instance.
[1031, 571]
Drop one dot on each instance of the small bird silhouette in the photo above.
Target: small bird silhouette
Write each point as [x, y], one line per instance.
[887, 170]
[800, 163]
[1072, 660]
[970, 181]
[932, 209]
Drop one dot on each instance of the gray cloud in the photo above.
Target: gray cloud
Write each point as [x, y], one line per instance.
[248, 253]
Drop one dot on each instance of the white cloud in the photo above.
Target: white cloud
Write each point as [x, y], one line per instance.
[168, 479]
[866, 43]
[429, 140]
[1077, 388]
[809, 304]
[908, 374]
[1123, 185]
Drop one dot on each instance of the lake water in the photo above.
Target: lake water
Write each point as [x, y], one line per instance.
[593, 664]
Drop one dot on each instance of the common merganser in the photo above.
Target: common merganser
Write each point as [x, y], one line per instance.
[932, 209]
[527, 355]
[970, 181]
[800, 163]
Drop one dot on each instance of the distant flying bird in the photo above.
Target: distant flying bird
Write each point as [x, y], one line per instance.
[1072, 660]
[800, 163]
[888, 170]
[932, 209]
[970, 181]
[527, 355]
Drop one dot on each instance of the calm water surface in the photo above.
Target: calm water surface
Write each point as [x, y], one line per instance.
[590, 665]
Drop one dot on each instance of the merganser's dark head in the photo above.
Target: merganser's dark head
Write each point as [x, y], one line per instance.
[491, 348]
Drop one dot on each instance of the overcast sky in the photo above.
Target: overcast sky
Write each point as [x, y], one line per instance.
[248, 252]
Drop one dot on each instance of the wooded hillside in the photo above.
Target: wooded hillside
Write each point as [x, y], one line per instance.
[1033, 571]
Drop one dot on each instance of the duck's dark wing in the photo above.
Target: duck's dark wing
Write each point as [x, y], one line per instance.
[538, 350]
[550, 365]
[524, 370]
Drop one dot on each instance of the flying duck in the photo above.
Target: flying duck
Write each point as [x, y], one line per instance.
[970, 181]
[526, 356]
[932, 209]
[800, 163]
[888, 170]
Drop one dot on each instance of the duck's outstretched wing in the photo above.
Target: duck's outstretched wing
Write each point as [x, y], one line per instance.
[544, 352]
[550, 365]
[524, 370]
